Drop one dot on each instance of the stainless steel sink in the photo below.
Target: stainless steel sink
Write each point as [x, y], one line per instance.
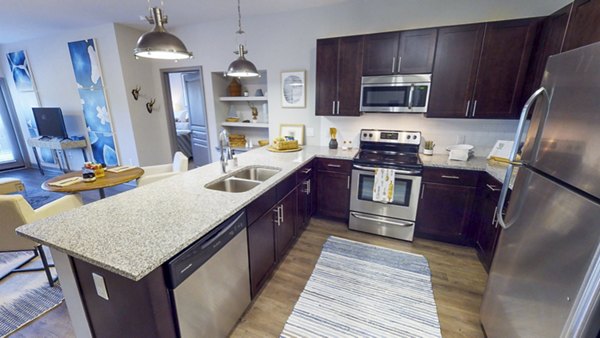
[232, 184]
[257, 173]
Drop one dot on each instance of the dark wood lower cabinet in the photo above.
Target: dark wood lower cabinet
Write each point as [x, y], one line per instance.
[285, 226]
[486, 223]
[133, 309]
[261, 250]
[333, 185]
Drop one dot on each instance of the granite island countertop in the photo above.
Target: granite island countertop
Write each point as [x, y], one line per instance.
[137, 231]
[478, 163]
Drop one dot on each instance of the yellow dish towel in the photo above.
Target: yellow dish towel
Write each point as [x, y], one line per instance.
[383, 185]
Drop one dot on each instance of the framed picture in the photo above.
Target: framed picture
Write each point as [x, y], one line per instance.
[21, 72]
[295, 131]
[293, 89]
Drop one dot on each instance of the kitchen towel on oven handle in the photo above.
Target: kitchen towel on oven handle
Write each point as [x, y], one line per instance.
[383, 185]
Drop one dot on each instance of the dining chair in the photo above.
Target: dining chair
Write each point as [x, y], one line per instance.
[158, 172]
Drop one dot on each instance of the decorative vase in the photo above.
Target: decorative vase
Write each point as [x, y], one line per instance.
[235, 87]
[333, 144]
[428, 152]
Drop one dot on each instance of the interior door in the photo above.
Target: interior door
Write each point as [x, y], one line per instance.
[197, 111]
[10, 153]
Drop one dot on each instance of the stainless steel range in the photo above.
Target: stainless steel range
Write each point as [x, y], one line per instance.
[392, 149]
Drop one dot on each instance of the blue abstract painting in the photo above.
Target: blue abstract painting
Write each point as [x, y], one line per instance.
[86, 67]
[19, 67]
[84, 58]
[95, 112]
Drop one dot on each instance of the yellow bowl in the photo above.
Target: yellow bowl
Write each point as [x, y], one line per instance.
[263, 143]
[232, 119]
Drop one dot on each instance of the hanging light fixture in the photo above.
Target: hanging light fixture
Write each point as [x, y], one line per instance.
[241, 67]
[158, 43]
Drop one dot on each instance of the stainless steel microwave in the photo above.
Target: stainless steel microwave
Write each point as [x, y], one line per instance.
[395, 93]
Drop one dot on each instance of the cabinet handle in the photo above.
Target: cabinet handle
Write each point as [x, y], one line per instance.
[282, 219]
[451, 177]
[492, 187]
[338, 108]
[422, 191]
[393, 64]
[494, 223]
[467, 111]
[348, 184]
[474, 107]
[277, 218]
[306, 171]
[333, 108]
[399, 63]
[307, 183]
[334, 165]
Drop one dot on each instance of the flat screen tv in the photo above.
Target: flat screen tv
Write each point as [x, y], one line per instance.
[50, 122]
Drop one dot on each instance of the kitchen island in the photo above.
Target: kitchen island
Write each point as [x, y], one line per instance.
[133, 234]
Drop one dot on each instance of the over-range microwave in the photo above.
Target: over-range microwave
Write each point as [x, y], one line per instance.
[395, 93]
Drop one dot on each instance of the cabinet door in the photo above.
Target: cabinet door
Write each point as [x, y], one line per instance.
[327, 62]
[487, 228]
[349, 75]
[583, 26]
[503, 65]
[416, 52]
[333, 196]
[381, 54]
[285, 228]
[261, 250]
[454, 71]
[444, 212]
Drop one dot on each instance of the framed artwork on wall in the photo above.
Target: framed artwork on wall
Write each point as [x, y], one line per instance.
[292, 131]
[293, 89]
[21, 72]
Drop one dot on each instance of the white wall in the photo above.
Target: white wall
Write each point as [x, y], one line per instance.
[51, 67]
[287, 41]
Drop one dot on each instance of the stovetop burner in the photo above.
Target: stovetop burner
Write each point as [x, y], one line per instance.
[389, 148]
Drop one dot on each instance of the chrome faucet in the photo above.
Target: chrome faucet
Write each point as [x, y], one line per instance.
[225, 149]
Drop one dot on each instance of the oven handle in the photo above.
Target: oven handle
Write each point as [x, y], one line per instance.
[404, 172]
[381, 220]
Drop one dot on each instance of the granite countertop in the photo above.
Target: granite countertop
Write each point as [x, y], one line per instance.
[135, 232]
[478, 163]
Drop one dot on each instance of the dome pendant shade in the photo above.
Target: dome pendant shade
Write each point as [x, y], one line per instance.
[160, 44]
[242, 67]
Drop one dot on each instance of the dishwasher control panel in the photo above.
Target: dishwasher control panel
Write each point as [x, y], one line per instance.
[190, 259]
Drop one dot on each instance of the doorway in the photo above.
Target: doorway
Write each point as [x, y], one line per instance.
[10, 152]
[186, 109]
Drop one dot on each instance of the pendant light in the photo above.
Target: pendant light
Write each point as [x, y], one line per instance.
[241, 67]
[158, 43]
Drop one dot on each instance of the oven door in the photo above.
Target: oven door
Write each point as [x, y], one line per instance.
[406, 195]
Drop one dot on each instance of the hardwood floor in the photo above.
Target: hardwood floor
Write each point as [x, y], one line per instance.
[457, 276]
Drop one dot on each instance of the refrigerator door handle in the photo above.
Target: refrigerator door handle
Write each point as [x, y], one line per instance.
[513, 155]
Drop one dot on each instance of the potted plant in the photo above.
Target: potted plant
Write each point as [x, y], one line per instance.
[428, 148]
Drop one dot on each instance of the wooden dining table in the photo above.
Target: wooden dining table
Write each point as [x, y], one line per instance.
[110, 179]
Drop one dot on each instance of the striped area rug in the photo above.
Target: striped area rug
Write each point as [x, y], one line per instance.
[362, 290]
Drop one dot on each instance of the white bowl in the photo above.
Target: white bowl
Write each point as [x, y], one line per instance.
[460, 147]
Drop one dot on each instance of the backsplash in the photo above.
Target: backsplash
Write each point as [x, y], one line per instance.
[444, 132]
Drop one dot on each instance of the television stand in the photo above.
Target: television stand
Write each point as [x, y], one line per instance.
[57, 145]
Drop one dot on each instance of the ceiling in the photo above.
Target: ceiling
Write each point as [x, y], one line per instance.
[27, 19]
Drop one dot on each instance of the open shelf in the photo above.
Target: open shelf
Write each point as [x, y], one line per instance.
[242, 98]
[245, 125]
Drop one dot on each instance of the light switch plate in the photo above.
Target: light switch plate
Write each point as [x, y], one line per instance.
[310, 132]
[100, 286]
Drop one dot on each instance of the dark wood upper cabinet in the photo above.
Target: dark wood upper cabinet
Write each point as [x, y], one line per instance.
[584, 28]
[408, 52]
[339, 68]
[480, 70]
[455, 70]
[505, 56]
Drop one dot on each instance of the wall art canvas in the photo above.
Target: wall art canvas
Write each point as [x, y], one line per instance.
[84, 57]
[96, 113]
[293, 89]
[21, 72]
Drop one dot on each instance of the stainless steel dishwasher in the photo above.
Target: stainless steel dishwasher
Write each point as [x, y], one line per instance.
[210, 281]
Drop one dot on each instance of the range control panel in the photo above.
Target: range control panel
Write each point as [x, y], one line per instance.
[390, 136]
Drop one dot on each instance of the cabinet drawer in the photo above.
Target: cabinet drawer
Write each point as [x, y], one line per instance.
[328, 164]
[288, 184]
[451, 176]
[261, 205]
[490, 186]
[304, 173]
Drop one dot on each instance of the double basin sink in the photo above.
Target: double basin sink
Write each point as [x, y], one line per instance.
[243, 180]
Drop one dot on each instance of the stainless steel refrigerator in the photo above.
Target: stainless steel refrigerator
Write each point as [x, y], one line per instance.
[545, 278]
